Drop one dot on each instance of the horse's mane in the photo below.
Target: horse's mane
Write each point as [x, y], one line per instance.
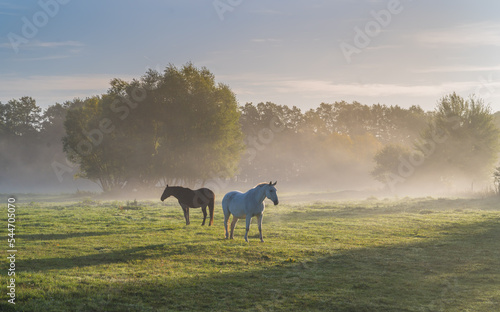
[261, 184]
[177, 187]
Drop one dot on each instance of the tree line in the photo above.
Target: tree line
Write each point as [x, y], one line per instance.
[180, 126]
[30, 139]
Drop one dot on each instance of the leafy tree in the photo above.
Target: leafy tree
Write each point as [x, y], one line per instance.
[461, 141]
[199, 125]
[30, 141]
[496, 119]
[270, 130]
[496, 180]
[179, 125]
[392, 165]
[84, 143]
[3, 120]
[21, 117]
[303, 148]
[389, 124]
[401, 126]
[53, 119]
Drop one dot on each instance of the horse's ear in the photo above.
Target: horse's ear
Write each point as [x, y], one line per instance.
[274, 183]
[270, 182]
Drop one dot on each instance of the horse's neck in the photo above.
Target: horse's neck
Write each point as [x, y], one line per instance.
[178, 193]
[258, 194]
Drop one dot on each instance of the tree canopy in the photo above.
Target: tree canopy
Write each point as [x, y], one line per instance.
[30, 140]
[458, 146]
[181, 127]
[465, 139]
[175, 125]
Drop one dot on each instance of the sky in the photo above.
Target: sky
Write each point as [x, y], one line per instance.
[295, 53]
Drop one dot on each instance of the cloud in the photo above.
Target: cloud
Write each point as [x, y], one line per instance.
[476, 34]
[308, 93]
[48, 90]
[457, 68]
[45, 58]
[51, 44]
[44, 51]
[42, 83]
[362, 90]
[39, 44]
[323, 89]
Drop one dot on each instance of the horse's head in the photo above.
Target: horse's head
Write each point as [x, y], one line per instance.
[271, 192]
[166, 193]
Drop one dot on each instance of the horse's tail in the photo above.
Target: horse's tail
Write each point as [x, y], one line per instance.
[225, 210]
[211, 205]
[225, 205]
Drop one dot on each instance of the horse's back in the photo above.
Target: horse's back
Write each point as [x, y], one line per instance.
[229, 197]
[205, 192]
[233, 202]
[194, 198]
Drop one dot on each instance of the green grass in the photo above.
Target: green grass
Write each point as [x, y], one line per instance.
[405, 255]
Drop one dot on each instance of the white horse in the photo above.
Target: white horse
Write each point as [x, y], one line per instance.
[248, 205]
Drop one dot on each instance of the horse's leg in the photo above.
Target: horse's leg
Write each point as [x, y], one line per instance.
[249, 219]
[233, 224]
[186, 213]
[259, 223]
[204, 209]
[211, 209]
[226, 221]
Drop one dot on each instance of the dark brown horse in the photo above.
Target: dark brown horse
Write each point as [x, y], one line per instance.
[192, 199]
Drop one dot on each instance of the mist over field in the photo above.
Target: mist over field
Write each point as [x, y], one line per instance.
[180, 127]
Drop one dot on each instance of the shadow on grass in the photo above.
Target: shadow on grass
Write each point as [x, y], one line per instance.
[43, 237]
[456, 272]
[104, 256]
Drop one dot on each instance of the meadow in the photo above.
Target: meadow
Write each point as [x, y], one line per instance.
[423, 254]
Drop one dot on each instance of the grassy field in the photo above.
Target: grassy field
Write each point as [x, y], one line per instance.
[373, 255]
